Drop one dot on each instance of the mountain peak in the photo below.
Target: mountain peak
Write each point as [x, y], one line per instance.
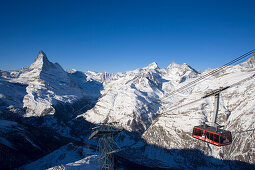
[41, 55]
[249, 63]
[181, 69]
[153, 65]
[40, 61]
[173, 65]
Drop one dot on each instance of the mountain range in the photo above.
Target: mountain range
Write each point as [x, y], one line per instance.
[45, 111]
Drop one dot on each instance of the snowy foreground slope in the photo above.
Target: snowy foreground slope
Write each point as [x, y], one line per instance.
[68, 103]
[67, 157]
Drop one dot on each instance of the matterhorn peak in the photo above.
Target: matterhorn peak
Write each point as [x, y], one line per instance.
[40, 61]
[41, 55]
[153, 65]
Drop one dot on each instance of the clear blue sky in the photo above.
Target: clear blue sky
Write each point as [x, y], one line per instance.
[121, 35]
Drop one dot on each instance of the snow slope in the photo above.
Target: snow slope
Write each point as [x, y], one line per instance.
[236, 112]
[46, 85]
[136, 101]
[127, 97]
[66, 157]
[20, 143]
[130, 101]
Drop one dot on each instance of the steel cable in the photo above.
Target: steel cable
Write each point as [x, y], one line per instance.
[189, 85]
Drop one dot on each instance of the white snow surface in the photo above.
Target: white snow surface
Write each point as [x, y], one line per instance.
[129, 99]
[127, 96]
[236, 112]
[6, 126]
[89, 163]
[45, 83]
[67, 157]
[136, 100]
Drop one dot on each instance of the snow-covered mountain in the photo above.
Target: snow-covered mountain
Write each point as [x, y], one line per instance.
[44, 93]
[173, 129]
[128, 98]
[46, 85]
[130, 101]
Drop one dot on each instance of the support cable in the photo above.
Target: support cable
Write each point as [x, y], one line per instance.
[191, 84]
[177, 107]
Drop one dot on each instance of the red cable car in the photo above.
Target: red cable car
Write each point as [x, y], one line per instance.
[213, 134]
[218, 137]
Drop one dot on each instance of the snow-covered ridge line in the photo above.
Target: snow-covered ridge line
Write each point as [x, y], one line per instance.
[47, 84]
[128, 98]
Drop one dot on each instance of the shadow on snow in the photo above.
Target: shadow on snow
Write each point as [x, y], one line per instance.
[35, 137]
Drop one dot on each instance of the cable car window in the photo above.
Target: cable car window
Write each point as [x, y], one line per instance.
[207, 135]
[197, 132]
[211, 136]
[194, 131]
[222, 139]
[216, 138]
[204, 133]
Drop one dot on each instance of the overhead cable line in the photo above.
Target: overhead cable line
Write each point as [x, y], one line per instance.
[189, 85]
[246, 79]
[177, 107]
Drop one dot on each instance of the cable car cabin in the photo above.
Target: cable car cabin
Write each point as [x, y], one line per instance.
[211, 135]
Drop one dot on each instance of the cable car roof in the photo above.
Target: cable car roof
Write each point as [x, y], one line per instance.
[211, 128]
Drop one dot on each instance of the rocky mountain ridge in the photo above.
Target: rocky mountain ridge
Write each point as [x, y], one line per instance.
[66, 102]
